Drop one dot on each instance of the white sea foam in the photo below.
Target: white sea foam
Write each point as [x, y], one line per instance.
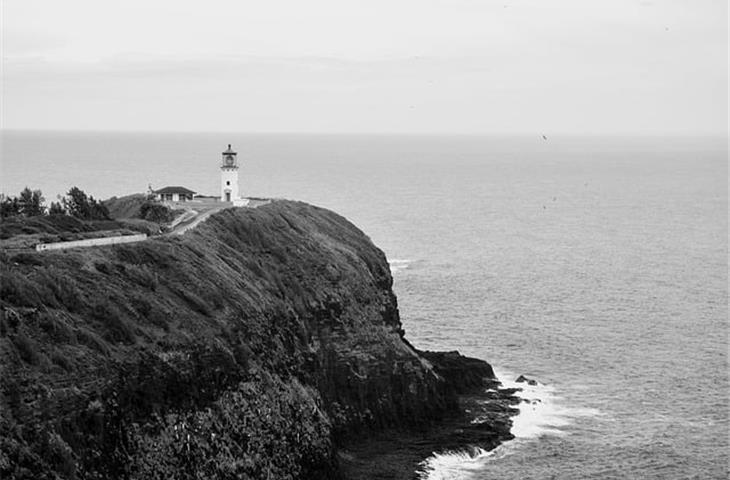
[398, 264]
[461, 465]
[541, 413]
[454, 465]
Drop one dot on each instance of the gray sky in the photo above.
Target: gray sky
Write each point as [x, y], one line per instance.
[397, 66]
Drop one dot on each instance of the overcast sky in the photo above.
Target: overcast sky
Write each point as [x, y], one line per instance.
[395, 66]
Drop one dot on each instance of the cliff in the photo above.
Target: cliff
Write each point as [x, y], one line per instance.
[255, 346]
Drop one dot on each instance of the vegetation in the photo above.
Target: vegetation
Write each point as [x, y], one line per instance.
[242, 349]
[155, 211]
[139, 206]
[76, 203]
[26, 221]
[29, 203]
[57, 208]
[239, 436]
[84, 206]
[127, 206]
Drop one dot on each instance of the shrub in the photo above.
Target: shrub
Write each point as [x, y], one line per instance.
[59, 455]
[19, 291]
[60, 359]
[64, 290]
[93, 341]
[262, 429]
[104, 267]
[159, 318]
[115, 327]
[27, 259]
[193, 301]
[141, 275]
[155, 212]
[28, 349]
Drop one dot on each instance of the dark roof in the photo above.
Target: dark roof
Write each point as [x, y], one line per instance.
[175, 190]
[229, 151]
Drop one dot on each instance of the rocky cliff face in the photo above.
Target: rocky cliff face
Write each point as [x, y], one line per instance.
[249, 347]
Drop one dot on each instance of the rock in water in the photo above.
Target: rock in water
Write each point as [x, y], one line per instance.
[523, 379]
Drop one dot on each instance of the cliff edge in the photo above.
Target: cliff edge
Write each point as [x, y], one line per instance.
[266, 343]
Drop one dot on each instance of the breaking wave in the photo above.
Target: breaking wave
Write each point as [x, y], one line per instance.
[397, 264]
[541, 413]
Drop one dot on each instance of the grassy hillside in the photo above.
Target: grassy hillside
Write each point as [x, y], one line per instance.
[240, 349]
[127, 206]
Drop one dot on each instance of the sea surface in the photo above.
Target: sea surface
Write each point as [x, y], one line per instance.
[597, 266]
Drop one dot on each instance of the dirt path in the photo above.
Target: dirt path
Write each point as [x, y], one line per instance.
[192, 218]
[193, 221]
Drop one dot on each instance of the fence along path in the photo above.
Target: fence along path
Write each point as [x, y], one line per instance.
[91, 242]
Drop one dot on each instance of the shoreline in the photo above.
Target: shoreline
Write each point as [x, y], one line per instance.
[537, 413]
[481, 423]
[282, 319]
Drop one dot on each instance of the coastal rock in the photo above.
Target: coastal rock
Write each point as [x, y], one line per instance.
[523, 379]
[257, 345]
[462, 374]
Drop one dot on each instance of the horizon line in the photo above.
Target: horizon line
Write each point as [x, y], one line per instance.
[548, 134]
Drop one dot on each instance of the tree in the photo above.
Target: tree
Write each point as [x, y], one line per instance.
[56, 209]
[31, 202]
[9, 206]
[98, 210]
[77, 203]
[85, 207]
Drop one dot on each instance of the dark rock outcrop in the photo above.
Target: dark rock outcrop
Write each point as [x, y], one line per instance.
[462, 374]
[253, 346]
[524, 379]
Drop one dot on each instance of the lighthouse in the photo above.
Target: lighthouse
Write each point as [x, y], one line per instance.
[229, 176]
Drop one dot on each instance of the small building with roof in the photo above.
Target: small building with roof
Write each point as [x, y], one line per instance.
[174, 194]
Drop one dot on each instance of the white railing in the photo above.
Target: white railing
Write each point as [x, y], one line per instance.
[91, 242]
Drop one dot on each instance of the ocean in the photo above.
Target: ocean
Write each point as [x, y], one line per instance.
[596, 266]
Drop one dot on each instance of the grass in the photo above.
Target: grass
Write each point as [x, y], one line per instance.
[127, 206]
[20, 232]
[23, 233]
[283, 301]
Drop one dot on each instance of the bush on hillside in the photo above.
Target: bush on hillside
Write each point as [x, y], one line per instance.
[139, 206]
[264, 428]
[155, 212]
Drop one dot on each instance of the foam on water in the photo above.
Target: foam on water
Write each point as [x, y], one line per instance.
[541, 413]
[398, 264]
[457, 465]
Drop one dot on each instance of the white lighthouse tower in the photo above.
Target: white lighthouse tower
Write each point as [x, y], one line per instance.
[229, 176]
